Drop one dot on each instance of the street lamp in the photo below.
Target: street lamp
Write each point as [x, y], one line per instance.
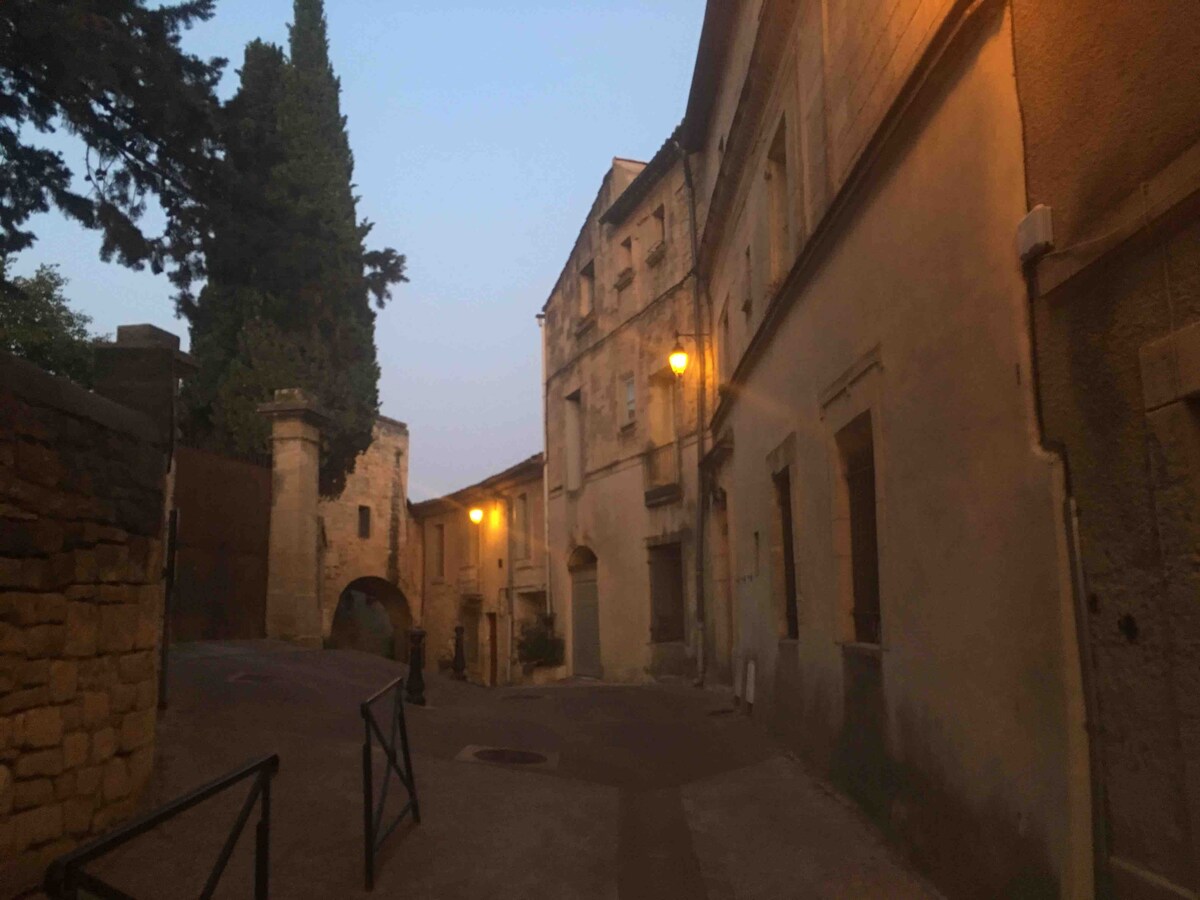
[475, 515]
[678, 358]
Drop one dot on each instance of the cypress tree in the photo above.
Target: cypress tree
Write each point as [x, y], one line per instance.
[288, 299]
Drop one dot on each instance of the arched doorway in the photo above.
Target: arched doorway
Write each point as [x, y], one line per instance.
[373, 616]
[585, 613]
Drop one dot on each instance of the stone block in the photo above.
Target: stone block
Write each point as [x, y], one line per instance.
[115, 783]
[98, 674]
[82, 630]
[149, 628]
[77, 815]
[87, 568]
[45, 640]
[36, 826]
[75, 749]
[34, 672]
[104, 745]
[118, 628]
[113, 562]
[141, 766]
[6, 790]
[6, 731]
[137, 730]
[147, 695]
[64, 680]
[16, 701]
[10, 673]
[31, 793]
[10, 573]
[108, 816]
[136, 667]
[42, 762]
[118, 593]
[12, 639]
[41, 727]
[39, 464]
[33, 609]
[87, 780]
[96, 708]
[124, 697]
[64, 786]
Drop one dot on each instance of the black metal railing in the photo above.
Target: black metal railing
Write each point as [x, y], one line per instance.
[374, 833]
[66, 878]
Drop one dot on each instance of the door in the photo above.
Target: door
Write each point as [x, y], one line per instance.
[492, 649]
[585, 602]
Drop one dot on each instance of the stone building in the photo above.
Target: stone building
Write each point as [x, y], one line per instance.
[1110, 98]
[621, 436]
[368, 593]
[487, 576]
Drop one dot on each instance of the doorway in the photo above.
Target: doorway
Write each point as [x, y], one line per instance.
[585, 606]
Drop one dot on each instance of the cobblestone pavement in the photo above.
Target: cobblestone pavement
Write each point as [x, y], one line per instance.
[647, 792]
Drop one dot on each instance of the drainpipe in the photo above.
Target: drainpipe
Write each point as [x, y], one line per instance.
[701, 386]
[541, 320]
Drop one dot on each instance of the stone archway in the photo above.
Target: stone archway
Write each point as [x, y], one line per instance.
[373, 616]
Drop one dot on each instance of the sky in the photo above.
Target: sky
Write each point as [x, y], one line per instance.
[481, 131]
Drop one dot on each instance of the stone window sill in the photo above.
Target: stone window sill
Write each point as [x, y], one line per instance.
[656, 253]
[624, 279]
[585, 324]
[858, 648]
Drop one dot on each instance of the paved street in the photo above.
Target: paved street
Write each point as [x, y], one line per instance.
[647, 792]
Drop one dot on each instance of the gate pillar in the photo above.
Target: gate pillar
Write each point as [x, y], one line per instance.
[293, 560]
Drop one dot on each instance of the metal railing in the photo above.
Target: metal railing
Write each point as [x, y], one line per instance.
[66, 879]
[374, 833]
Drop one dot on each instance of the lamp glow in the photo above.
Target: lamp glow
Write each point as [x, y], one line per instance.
[476, 515]
[678, 359]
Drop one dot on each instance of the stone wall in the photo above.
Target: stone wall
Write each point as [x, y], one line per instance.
[81, 506]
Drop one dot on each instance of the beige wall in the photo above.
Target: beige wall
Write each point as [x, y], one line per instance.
[632, 334]
[380, 483]
[910, 307]
[479, 573]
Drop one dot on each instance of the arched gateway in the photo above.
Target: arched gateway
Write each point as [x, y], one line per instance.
[372, 615]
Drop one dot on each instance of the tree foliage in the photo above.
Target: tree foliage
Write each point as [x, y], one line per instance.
[288, 297]
[38, 324]
[112, 73]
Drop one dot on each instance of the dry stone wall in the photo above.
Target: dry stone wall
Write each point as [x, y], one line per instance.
[81, 596]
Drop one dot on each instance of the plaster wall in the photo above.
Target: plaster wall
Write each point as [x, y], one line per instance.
[914, 312]
[1109, 94]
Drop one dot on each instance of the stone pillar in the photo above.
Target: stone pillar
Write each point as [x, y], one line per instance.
[141, 370]
[293, 562]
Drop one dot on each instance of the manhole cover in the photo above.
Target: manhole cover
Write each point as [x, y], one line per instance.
[721, 712]
[510, 757]
[251, 678]
[522, 697]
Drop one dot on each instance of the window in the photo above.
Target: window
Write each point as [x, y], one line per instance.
[856, 447]
[785, 570]
[748, 287]
[587, 290]
[574, 441]
[521, 526]
[625, 259]
[659, 223]
[364, 521]
[779, 192]
[629, 391]
[473, 541]
[437, 552]
[666, 593]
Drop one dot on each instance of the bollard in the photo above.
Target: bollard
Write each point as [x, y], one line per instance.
[415, 685]
[460, 657]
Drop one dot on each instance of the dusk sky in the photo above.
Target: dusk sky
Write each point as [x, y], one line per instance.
[480, 131]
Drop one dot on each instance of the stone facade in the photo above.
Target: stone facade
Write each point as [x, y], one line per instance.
[1110, 98]
[81, 602]
[488, 577]
[621, 452]
[366, 532]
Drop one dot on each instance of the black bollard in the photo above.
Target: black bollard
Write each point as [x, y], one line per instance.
[415, 686]
[460, 657]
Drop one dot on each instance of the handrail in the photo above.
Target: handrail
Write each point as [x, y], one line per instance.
[65, 876]
[373, 832]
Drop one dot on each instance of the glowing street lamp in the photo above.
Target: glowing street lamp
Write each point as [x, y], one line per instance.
[476, 515]
[678, 359]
